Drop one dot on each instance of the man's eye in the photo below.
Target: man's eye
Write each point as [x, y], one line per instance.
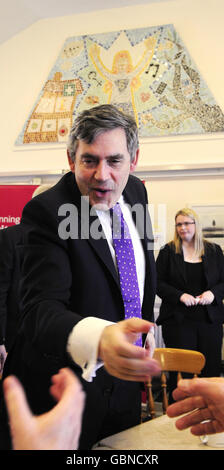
[88, 161]
[115, 161]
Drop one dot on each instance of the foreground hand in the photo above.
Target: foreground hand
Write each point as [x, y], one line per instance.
[204, 399]
[58, 429]
[121, 358]
[206, 298]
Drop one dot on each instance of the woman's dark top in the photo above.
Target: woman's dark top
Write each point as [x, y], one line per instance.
[196, 285]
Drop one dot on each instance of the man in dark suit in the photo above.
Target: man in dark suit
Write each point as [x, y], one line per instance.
[73, 309]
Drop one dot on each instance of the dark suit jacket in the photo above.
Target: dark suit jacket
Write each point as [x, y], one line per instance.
[63, 282]
[10, 240]
[172, 283]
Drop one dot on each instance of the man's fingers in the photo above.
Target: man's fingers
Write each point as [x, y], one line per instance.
[199, 386]
[194, 418]
[133, 327]
[126, 375]
[184, 406]
[138, 367]
[130, 351]
[118, 339]
[209, 427]
[133, 369]
[137, 325]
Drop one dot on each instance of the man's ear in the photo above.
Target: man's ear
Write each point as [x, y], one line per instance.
[71, 163]
[134, 162]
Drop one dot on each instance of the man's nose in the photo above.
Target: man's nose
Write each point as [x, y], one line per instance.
[102, 171]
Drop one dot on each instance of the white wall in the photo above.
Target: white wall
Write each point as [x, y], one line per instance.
[27, 59]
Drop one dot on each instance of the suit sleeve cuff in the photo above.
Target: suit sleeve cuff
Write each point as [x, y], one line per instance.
[83, 343]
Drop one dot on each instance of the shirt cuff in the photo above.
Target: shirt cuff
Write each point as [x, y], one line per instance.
[83, 343]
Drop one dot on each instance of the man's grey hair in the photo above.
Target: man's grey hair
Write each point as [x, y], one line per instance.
[93, 122]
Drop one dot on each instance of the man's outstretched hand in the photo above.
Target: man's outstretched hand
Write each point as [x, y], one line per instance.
[121, 357]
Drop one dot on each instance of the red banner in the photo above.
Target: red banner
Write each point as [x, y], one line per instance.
[13, 198]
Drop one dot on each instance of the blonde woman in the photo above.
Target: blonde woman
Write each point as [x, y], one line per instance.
[190, 274]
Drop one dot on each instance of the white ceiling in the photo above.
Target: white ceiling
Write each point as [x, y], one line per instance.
[17, 15]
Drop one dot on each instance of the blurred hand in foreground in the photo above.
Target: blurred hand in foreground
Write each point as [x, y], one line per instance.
[57, 429]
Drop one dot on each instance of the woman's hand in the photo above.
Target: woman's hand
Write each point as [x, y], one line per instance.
[188, 300]
[206, 298]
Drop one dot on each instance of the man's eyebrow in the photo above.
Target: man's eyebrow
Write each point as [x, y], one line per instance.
[93, 156]
[119, 156]
[89, 155]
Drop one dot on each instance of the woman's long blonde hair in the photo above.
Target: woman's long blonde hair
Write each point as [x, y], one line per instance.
[198, 238]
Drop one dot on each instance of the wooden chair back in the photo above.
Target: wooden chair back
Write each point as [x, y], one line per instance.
[178, 360]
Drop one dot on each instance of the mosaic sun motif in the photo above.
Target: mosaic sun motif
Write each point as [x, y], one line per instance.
[145, 72]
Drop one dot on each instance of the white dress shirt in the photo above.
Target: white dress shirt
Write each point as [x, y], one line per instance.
[84, 339]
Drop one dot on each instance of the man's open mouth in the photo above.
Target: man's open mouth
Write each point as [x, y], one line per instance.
[101, 190]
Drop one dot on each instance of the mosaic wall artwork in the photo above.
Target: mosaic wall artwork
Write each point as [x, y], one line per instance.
[145, 72]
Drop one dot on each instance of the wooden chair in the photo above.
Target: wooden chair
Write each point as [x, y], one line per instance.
[170, 359]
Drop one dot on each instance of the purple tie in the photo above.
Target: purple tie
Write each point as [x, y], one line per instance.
[125, 258]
